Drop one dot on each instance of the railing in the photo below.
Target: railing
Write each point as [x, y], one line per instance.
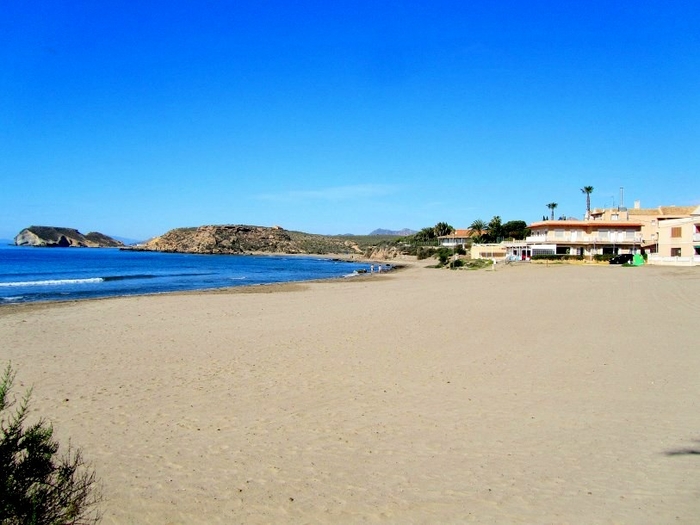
[612, 239]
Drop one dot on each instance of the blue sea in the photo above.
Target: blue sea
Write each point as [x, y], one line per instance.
[30, 274]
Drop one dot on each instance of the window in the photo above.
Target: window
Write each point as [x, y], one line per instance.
[629, 235]
[675, 252]
[559, 234]
[676, 232]
[604, 234]
[543, 251]
[614, 217]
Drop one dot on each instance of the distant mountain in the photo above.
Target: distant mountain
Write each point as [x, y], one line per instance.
[126, 240]
[401, 233]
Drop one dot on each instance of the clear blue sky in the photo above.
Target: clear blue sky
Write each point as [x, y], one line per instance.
[132, 118]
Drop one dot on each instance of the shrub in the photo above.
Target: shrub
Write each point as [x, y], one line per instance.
[478, 264]
[424, 252]
[556, 257]
[603, 257]
[37, 486]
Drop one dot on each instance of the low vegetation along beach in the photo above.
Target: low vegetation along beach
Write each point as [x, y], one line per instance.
[528, 394]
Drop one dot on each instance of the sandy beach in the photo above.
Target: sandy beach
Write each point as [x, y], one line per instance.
[532, 394]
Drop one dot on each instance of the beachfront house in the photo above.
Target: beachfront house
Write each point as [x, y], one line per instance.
[580, 238]
[678, 241]
[456, 239]
[672, 231]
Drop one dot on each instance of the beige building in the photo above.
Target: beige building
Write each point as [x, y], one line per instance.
[649, 218]
[496, 251]
[580, 238]
[678, 241]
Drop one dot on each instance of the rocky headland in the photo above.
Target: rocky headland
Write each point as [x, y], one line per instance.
[52, 236]
[244, 239]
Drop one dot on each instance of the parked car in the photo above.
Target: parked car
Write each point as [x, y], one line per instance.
[623, 258]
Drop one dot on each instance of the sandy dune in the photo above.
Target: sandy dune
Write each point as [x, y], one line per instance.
[532, 394]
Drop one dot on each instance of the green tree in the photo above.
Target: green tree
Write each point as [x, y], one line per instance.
[587, 190]
[551, 206]
[478, 229]
[425, 234]
[37, 486]
[442, 228]
[494, 229]
[516, 230]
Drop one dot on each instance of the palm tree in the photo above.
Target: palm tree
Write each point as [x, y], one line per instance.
[494, 229]
[587, 190]
[478, 229]
[442, 228]
[551, 206]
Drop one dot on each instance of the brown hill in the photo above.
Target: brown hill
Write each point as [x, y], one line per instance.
[239, 239]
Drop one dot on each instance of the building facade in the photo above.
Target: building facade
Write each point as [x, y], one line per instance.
[678, 241]
[458, 238]
[579, 238]
[650, 218]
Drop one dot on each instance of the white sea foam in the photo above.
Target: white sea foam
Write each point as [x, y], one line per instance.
[52, 282]
[12, 299]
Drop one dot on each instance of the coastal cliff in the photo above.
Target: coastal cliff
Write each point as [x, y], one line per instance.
[241, 239]
[51, 236]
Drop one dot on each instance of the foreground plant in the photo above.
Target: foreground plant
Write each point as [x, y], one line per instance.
[37, 484]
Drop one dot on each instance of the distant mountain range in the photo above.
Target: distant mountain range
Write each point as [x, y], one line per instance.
[126, 240]
[401, 233]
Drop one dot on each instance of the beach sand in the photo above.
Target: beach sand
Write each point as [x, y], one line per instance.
[532, 394]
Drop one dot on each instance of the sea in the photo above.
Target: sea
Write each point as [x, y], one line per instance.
[31, 274]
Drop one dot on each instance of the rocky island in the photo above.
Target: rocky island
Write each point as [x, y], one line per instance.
[52, 236]
[244, 239]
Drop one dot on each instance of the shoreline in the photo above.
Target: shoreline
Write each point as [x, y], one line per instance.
[97, 291]
[286, 286]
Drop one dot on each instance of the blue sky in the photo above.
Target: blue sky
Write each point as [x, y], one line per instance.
[132, 118]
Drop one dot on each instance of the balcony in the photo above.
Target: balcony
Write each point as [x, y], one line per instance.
[577, 238]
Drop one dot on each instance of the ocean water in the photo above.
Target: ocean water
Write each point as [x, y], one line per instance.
[57, 274]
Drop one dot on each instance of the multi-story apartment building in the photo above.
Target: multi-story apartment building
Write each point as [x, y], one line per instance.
[582, 238]
[650, 219]
[678, 241]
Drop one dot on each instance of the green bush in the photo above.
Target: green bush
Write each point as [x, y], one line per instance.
[37, 486]
[478, 264]
[424, 252]
[556, 257]
[603, 257]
